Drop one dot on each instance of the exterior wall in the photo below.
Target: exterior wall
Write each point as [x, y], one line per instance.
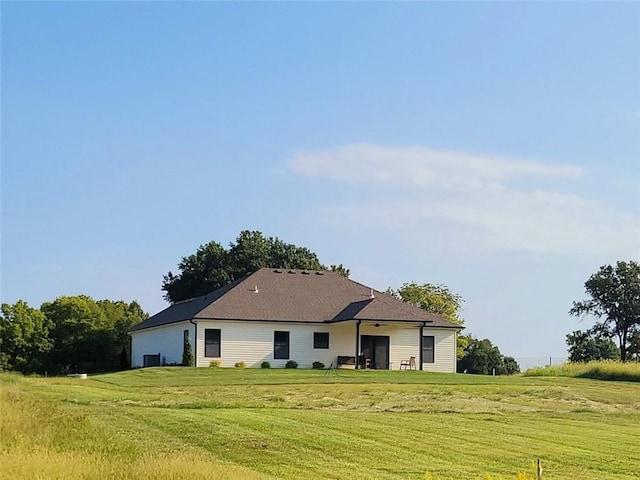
[165, 340]
[445, 350]
[252, 343]
[404, 343]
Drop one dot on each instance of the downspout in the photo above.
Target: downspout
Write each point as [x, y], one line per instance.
[357, 343]
[195, 342]
[424, 324]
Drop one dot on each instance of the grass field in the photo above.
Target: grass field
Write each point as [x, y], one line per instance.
[185, 423]
[601, 370]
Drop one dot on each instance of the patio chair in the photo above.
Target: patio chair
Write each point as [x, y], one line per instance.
[364, 361]
[410, 364]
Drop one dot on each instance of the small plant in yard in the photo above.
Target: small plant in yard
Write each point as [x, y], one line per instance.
[240, 365]
[187, 353]
[265, 365]
[291, 364]
[214, 363]
[318, 365]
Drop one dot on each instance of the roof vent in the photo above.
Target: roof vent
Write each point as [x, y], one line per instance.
[304, 272]
[291, 271]
[255, 289]
[371, 294]
[319, 273]
[277, 271]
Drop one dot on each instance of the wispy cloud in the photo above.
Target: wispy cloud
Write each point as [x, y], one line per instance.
[474, 195]
[420, 166]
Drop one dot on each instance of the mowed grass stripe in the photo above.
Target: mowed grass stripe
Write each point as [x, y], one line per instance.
[358, 441]
[253, 439]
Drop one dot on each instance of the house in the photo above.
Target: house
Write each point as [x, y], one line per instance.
[278, 315]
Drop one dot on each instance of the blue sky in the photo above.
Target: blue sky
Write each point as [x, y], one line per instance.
[490, 147]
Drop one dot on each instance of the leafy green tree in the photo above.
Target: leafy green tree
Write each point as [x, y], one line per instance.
[212, 266]
[121, 316]
[436, 299]
[74, 324]
[585, 346]
[340, 270]
[24, 338]
[206, 270]
[90, 335]
[482, 357]
[510, 366]
[69, 333]
[615, 302]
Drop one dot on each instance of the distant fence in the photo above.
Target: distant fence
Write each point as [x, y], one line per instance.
[530, 362]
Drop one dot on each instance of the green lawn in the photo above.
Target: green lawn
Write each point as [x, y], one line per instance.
[233, 423]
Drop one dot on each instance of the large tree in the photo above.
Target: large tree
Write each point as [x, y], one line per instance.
[615, 302]
[120, 317]
[89, 335]
[75, 325]
[437, 299]
[213, 266]
[585, 346]
[24, 338]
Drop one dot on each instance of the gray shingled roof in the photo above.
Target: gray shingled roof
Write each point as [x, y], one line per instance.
[294, 296]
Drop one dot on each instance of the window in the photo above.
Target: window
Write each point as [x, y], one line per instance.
[428, 349]
[281, 345]
[185, 336]
[320, 339]
[212, 342]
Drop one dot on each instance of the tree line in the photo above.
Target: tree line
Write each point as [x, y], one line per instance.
[78, 333]
[69, 334]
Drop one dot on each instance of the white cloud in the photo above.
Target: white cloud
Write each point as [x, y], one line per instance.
[420, 166]
[469, 203]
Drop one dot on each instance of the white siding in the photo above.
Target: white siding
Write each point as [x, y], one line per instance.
[166, 341]
[252, 343]
[445, 350]
[404, 344]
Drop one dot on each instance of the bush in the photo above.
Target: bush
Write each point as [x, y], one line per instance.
[291, 364]
[265, 365]
[214, 363]
[240, 365]
[187, 354]
[318, 365]
[483, 357]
